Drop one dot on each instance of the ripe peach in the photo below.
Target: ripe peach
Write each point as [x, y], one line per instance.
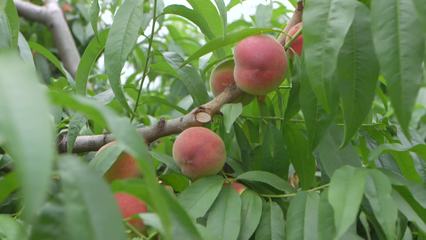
[129, 206]
[222, 76]
[124, 167]
[297, 44]
[199, 152]
[240, 188]
[260, 64]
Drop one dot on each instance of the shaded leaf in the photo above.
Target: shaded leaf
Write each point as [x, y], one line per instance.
[231, 112]
[271, 224]
[251, 212]
[266, 178]
[326, 23]
[11, 229]
[302, 216]
[200, 195]
[224, 217]
[345, 195]
[399, 48]
[358, 71]
[22, 98]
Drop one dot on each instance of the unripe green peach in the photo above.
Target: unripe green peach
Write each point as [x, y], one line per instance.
[129, 206]
[297, 44]
[124, 167]
[222, 76]
[199, 152]
[260, 64]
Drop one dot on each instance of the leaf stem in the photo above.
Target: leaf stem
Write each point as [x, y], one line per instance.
[294, 194]
[145, 70]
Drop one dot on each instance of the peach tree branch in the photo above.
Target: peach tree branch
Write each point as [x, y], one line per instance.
[199, 116]
[51, 15]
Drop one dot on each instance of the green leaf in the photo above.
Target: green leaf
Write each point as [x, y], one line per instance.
[121, 39]
[94, 15]
[190, 77]
[207, 10]
[421, 12]
[200, 195]
[263, 15]
[104, 159]
[192, 16]
[345, 194]
[302, 216]
[90, 208]
[11, 229]
[223, 41]
[326, 228]
[251, 212]
[358, 71]
[13, 21]
[378, 191]
[408, 211]
[52, 58]
[25, 50]
[166, 159]
[88, 60]
[317, 120]
[271, 224]
[224, 217]
[300, 155]
[419, 149]
[77, 122]
[230, 113]
[399, 47]
[326, 23]
[331, 157]
[29, 140]
[266, 178]
[8, 184]
[223, 13]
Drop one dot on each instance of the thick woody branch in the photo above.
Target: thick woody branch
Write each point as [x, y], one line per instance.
[51, 15]
[197, 117]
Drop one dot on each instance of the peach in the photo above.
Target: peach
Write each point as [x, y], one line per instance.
[124, 167]
[260, 64]
[199, 152]
[222, 76]
[297, 44]
[129, 206]
[240, 188]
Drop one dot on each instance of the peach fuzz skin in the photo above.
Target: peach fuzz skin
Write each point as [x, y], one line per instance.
[260, 64]
[297, 44]
[130, 205]
[222, 76]
[124, 167]
[199, 152]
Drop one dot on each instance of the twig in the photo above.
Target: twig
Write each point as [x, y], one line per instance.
[294, 194]
[51, 15]
[295, 19]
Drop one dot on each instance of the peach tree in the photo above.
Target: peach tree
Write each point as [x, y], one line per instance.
[201, 119]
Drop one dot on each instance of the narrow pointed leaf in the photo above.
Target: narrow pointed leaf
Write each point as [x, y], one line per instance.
[399, 47]
[28, 139]
[224, 217]
[326, 23]
[358, 71]
[121, 39]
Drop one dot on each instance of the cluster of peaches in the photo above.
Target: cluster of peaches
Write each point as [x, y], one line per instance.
[258, 67]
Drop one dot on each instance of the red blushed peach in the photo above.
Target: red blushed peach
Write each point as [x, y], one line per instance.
[129, 206]
[222, 77]
[124, 167]
[297, 44]
[240, 188]
[199, 152]
[260, 64]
